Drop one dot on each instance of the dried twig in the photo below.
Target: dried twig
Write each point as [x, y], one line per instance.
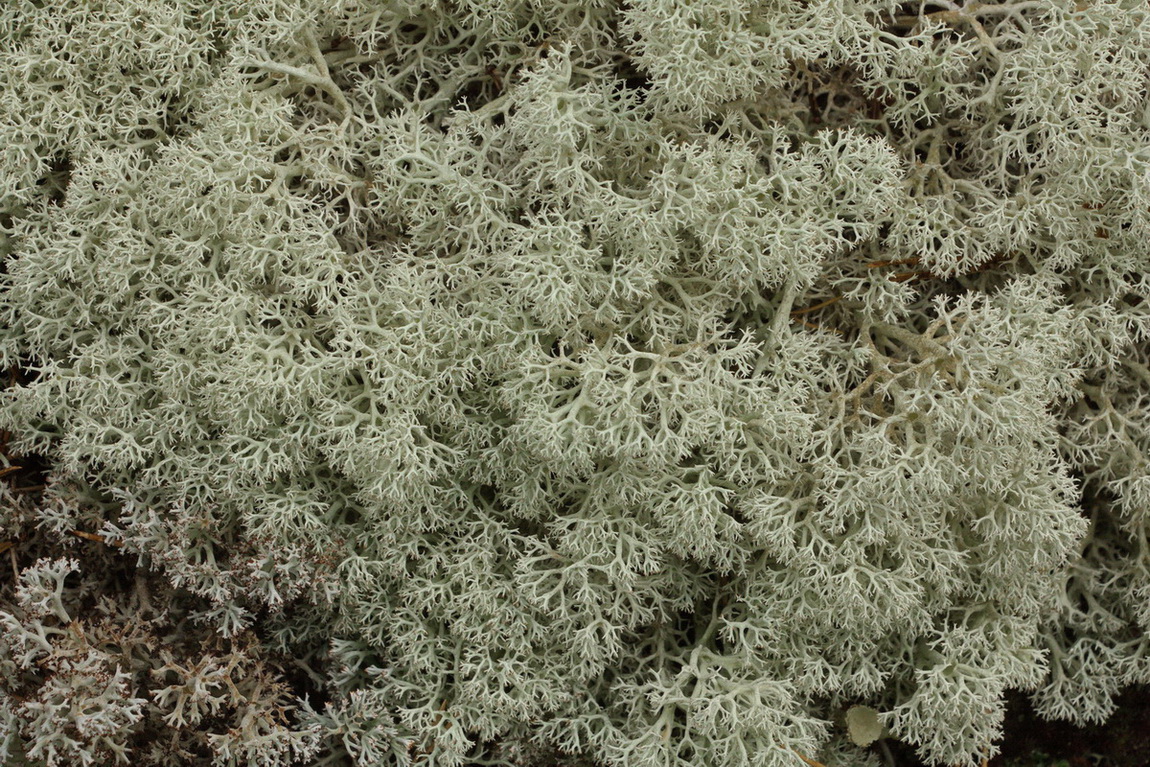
[95, 537]
[807, 759]
[904, 276]
[813, 326]
[817, 306]
[29, 489]
[895, 262]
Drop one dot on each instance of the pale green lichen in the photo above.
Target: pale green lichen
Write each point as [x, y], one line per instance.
[649, 381]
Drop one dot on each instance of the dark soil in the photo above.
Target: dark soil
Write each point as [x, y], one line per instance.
[1030, 741]
[1123, 741]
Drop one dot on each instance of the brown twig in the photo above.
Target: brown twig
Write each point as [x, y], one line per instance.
[29, 489]
[807, 759]
[813, 326]
[96, 538]
[896, 262]
[904, 276]
[816, 307]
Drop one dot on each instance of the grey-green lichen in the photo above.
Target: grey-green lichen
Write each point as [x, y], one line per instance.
[648, 382]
